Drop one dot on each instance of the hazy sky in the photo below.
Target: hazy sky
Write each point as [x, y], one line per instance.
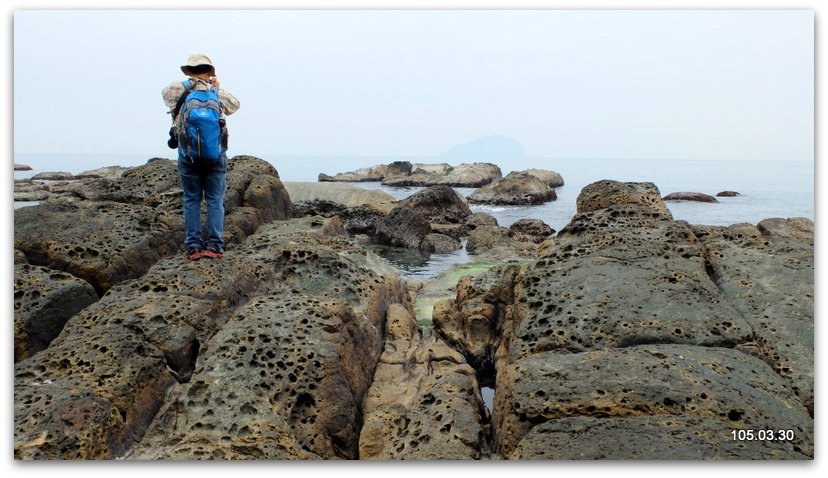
[603, 84]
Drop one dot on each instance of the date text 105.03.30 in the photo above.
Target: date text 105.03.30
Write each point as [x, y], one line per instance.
[762, 435]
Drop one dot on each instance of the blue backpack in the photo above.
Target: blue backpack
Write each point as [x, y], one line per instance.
[203, 135]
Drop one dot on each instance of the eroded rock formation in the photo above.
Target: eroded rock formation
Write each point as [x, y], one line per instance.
[628, 335]
[288, 326]
[633, 321]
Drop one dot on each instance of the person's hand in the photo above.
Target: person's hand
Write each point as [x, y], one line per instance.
[216, 82]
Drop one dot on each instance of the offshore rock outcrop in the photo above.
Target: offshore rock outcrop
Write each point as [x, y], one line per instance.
[403, 173]
[517, 188]
[690, 196]
[631, 320]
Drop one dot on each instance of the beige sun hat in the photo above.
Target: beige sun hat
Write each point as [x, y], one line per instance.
[196, 60]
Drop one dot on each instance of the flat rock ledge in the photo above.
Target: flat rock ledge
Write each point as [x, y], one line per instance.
[689, 196]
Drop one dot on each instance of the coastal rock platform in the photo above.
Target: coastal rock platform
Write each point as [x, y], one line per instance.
[626, 335]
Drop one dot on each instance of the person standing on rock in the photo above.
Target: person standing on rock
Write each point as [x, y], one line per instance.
[199, 106]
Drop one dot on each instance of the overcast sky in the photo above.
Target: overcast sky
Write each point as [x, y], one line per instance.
[583, 84]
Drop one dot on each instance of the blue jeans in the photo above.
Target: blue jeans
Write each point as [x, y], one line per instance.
[203, 179]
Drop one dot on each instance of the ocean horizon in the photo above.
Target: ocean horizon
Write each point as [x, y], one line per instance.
[768, 188]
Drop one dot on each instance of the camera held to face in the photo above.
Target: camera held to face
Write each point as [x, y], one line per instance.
[173, 141]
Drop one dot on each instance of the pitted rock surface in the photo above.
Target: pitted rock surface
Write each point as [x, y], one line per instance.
[153, 184]
[254, 183]
[624, 276]
[766, 272]
[44, 299]
[602, 194]
[472, 322]
[101, 242]
[645, 437]
[94, 392]
[123, 353]
[283, 379]
[727, 387]
[424, 403]
[114, 229]
[632, 280]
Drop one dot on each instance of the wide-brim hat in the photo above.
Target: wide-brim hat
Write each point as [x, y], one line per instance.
[196, 60]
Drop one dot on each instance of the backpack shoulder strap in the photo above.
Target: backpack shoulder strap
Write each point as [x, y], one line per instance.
[188, 86]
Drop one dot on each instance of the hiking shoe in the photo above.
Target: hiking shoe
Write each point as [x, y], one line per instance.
[213, 251]
[194, 253]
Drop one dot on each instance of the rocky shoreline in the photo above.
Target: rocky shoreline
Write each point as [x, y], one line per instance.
[626, 335]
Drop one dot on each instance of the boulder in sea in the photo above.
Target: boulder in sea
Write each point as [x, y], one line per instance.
[484, 238]
[552, 178]
[439, 204]
[689, 196]
[533, 230]
[439, 243]
[727, 194]
[54, 176]
[516, 188]
[481, 219]
[22, 167]
[402, 227]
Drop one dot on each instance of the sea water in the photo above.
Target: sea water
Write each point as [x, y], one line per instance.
[768, 188]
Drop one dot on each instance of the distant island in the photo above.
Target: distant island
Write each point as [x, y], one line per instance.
[494, 146]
